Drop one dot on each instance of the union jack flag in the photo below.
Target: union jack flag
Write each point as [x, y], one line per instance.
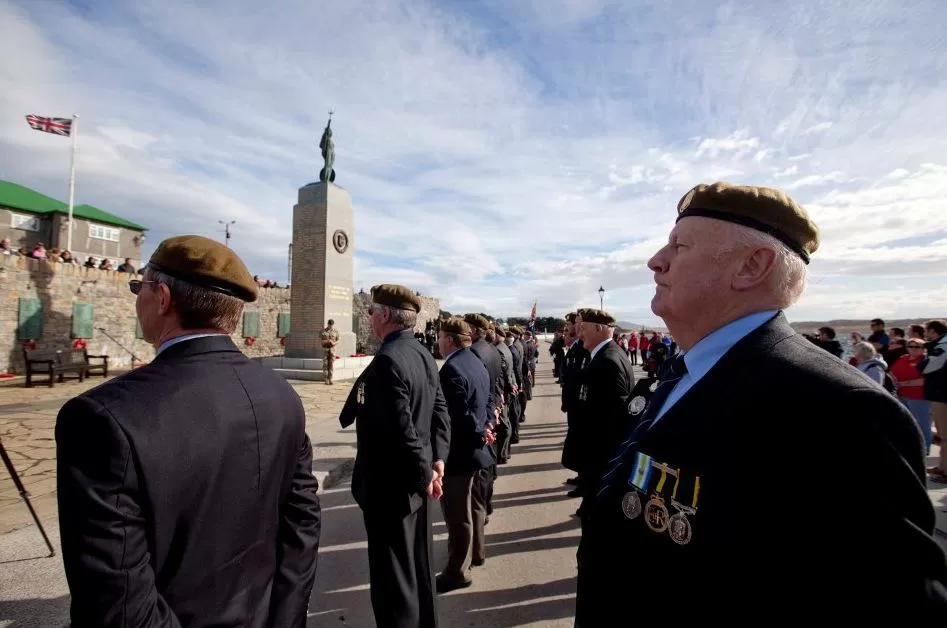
[57, 126]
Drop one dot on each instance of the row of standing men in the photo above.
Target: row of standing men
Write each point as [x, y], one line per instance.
[427, 434]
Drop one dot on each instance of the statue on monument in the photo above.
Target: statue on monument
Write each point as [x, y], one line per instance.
[327, 174]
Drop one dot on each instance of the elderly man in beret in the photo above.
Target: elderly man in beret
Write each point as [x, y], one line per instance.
[576, 359]
[601, 403]
[186, 494]
[467, 388]
[403, 439]
[728, 495]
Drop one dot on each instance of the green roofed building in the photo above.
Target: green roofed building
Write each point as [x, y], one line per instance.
[28, 218]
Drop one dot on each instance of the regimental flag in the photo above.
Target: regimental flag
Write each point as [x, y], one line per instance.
[57, 126]
[532, 319]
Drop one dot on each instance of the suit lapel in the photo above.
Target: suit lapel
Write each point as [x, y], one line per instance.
[725, 378]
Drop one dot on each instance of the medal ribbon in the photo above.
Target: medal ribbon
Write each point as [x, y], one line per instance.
[641, 472]
[664, 476]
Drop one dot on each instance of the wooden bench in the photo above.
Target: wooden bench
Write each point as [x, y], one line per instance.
[59, 362]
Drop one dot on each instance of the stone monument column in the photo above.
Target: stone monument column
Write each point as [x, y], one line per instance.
[323, 273]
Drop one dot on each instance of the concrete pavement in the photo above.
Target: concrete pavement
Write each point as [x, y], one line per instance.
[529, 575]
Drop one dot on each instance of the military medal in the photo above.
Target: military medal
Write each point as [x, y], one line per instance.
[640, 474]
[653, 387]
[637, 405]
[679, 527]
[361, 393]
[631, 504]
[583, 392]
[655, 512]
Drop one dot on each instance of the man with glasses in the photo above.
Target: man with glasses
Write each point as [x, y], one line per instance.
[186, 494]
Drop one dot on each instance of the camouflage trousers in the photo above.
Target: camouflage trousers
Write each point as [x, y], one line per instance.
[328, 365]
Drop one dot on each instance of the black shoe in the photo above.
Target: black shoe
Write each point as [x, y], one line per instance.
[477, 562]
[449, 583]
[514, 440]
[574, 493]
[573, 481]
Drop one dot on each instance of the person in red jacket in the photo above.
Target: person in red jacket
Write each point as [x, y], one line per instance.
[910, 383]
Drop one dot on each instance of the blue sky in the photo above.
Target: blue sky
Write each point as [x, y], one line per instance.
[501, 151]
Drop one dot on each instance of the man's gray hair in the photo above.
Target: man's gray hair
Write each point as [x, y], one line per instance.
[200, 307]
[406, 319]
[788, 280]
[864, 350]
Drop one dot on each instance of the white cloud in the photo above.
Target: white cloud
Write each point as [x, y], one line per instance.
[503, 150]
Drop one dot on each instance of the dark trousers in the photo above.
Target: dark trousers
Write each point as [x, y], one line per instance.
[515, 414]
[458, 509]
[483, 493]
[504, 433]
[399, 565]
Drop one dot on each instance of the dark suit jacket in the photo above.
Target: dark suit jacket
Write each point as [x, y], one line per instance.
[601, 419]
[402, 426]
[577, 358]
[491, 359]
[780, 521]
[186, 495]
[466, 387]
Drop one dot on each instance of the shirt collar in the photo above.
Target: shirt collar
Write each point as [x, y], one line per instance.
[456, 351]
[173, 341]
[707, 352]
[599, 346]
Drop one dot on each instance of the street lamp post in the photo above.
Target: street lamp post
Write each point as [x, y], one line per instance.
[601, 298]
[227, 231]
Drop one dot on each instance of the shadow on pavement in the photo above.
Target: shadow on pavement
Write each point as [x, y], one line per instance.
[35, 613]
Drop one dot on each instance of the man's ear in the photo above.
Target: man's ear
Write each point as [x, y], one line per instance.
[164, 298]
[755, 269]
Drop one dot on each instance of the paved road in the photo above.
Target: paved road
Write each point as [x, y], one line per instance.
[529, 576]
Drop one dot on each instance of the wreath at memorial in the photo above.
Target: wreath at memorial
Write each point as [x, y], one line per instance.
[80, 343]
[29, 345]
[249, 341]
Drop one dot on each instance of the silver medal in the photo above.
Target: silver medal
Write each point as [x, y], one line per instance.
[631, 505]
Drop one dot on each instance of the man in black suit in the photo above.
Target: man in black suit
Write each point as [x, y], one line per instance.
[484, 480]
[601, 403]
[403, 438]
[576, 359]
[186, 494]
[730, 494]
[466, 385]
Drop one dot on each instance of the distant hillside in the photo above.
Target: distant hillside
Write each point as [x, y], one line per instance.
[626, 326]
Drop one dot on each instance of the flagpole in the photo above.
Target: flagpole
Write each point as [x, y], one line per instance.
[72, 181]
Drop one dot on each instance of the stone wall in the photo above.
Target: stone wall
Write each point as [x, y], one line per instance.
[365, 341]
[57, 287]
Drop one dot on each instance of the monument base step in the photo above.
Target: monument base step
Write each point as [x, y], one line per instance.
[312, 375]
[313, 364]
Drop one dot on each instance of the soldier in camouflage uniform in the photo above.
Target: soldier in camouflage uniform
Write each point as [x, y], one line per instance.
[330, 338]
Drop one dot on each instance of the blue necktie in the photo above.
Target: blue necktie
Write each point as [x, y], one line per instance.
[671, 372]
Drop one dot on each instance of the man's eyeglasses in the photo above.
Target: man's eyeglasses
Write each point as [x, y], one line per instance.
[135, 285]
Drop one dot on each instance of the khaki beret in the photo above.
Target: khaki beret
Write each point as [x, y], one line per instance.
[204, 262]
[571, 317]
[499, 332]
[767, 210]
[396, 296]
[590, 315]
[477, 321]
[456, 325]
